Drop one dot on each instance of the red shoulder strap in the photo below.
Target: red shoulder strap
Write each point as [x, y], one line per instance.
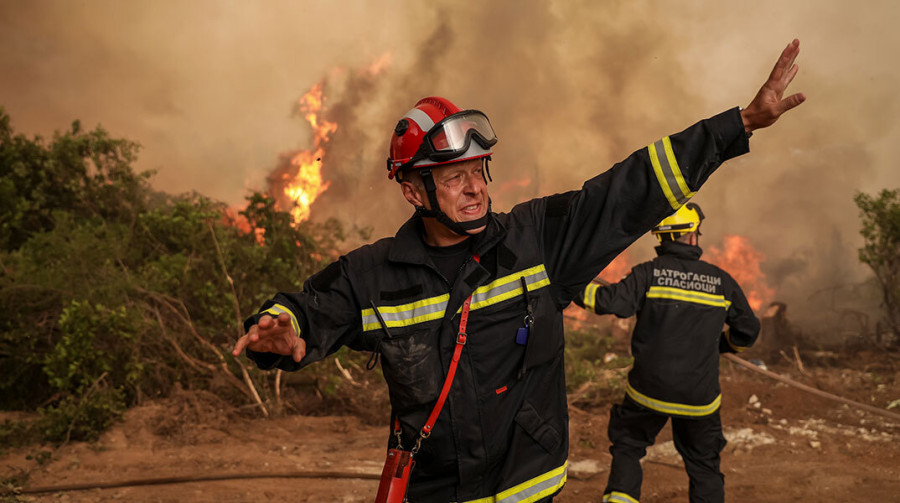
[451, 372]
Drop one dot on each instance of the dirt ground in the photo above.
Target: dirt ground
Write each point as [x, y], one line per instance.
[783, 445]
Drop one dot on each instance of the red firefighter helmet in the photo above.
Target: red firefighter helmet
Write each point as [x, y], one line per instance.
[437, 132]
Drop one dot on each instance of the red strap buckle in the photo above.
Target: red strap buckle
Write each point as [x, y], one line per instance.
[461, 338]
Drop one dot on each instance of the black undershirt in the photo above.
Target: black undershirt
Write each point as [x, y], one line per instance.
[450, 259]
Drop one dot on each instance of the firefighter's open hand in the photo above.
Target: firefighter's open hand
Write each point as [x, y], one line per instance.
[769, 103]
[272, 335]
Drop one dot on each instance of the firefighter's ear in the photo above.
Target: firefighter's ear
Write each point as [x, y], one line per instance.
[413, 194]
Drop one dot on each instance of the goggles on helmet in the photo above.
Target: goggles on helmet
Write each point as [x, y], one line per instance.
[451, 137]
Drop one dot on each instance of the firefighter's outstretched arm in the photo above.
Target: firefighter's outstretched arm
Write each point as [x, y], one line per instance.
[769, 103]
[622, 299]
[272, 335]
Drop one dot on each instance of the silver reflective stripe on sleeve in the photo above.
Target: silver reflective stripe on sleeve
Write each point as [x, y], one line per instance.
[278, 309]
[590, 296]
[665, 166]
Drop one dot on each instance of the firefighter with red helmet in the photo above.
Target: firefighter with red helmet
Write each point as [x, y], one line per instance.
[433, 134]
[463, 306]
[681, 303]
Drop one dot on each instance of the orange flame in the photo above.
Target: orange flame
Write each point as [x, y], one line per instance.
[232, 217]
[303, 184]
[739, 259]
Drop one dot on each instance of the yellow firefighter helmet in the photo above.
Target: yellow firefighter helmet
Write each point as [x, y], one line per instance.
[686, 219]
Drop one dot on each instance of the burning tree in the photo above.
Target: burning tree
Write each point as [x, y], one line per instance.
[297, 181]
[881, 230]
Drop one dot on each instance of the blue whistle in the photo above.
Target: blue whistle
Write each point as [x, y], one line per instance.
[522, 336]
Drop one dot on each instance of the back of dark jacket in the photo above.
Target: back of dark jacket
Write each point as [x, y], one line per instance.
[682, 304]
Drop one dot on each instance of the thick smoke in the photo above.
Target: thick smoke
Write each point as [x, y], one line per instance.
[555, 100]
[570, 87]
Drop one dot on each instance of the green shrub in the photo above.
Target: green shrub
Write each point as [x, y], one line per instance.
[84, 417]
[17, 433]
[881, 252]
[112, 292]
[94, 341]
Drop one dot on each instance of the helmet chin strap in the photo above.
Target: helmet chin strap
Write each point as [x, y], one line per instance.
[460, 228]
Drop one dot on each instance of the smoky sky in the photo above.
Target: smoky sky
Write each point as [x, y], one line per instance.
[208, 88]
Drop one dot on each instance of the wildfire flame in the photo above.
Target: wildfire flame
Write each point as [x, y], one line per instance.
[739, 259]
[303, 182]
[232, 217]
[296, 182]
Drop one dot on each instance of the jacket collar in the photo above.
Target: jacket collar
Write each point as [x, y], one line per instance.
[409, 247]
[680, 250]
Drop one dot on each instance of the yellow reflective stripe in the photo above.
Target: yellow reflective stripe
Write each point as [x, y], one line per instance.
[663, 292]
[434, 308]
[590, 296]
[661, 177]
[278, 309]
[678, 409]
[531, 490]
[405, 315]
[667, 292]
[508, 287]
[668, 174]
[618, 497]
[673, 164]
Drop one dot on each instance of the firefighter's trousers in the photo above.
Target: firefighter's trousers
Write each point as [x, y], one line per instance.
[633, 428]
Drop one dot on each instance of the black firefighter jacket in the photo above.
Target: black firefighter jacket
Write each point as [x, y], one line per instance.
[503, 434]
[682, 303]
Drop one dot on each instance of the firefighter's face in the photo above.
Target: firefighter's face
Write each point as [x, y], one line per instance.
[461, 191]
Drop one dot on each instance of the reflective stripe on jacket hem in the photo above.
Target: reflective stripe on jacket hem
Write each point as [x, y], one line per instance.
[531, 490]
[733, 346]
[618, 497]
[676, 409]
